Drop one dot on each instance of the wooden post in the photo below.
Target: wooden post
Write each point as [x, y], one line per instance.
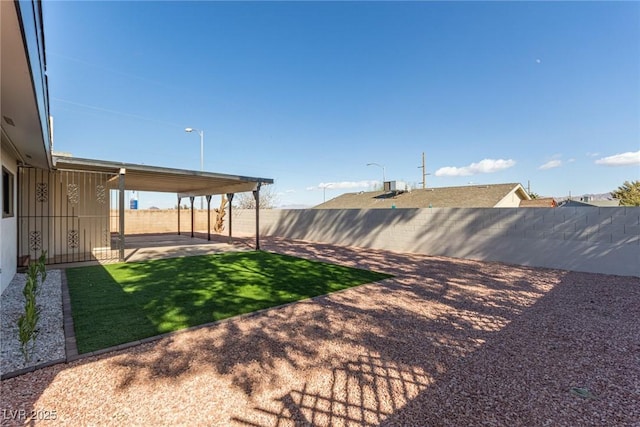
[256, 195]
[230, 199]
[121, 209]
[179, 199]
[192, 199]
[209, 217]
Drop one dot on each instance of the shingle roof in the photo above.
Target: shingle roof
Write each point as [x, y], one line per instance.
[471, 196]
[597, 203]
[541, 202]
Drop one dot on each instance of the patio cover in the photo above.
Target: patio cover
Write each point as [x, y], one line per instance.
[183, 182]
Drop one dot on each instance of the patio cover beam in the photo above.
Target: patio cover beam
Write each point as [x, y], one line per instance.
[244, 187]
[185, 183]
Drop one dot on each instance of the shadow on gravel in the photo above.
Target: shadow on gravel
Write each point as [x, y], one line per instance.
[582, 334]
[463, 367]
[433, 316]
[294, 334]
[364, 392]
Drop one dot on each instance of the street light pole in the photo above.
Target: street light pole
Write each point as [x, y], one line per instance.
[201, 151]
[380, 166]
[201, 133]
[324, 192]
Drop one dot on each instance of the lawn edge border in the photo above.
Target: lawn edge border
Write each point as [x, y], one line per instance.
[32, 368]
[70, 344]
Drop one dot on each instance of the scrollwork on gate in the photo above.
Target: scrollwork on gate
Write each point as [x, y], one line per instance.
[35, 240]
[101, 194]
[42, 192]
[73, 239]
[73, 194]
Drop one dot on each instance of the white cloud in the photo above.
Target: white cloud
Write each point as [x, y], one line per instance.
[551, 164]
[571, 160]
[344, 185]
[483, 166]
[290, 191]
[622, 159]
[590, 154]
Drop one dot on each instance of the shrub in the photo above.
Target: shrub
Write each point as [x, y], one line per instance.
[42, 265]
[32, 276]
[28, 322]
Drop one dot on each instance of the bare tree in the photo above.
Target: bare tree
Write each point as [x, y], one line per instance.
[218, 227]
[268, 199]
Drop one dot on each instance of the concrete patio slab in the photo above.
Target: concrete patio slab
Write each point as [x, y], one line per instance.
[155, 246]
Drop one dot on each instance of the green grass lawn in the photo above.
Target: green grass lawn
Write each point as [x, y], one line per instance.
[119, 303]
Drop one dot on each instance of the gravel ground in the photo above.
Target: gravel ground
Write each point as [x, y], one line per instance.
[444, 342]
[50, 340]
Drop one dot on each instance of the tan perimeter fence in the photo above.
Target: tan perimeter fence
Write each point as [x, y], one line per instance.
[597, 240]
[165, 221]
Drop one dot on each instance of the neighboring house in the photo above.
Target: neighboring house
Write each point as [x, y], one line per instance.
[540, 202]
[470, 196]
[69, 207]
[589, 202]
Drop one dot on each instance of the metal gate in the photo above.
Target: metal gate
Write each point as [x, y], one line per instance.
[73, 215]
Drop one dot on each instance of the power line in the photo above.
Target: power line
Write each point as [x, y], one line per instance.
[120, 113]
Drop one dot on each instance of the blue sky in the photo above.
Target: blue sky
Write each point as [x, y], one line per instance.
[308, 93]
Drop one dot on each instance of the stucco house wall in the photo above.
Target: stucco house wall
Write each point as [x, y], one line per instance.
[513, 199]
[8, 226]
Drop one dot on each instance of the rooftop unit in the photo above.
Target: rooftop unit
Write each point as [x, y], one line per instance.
[396, 186]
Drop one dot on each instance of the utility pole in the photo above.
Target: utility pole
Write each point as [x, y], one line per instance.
[424, 172]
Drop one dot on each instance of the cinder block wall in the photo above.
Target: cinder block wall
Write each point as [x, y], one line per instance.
[162, 221]
[598, 240]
